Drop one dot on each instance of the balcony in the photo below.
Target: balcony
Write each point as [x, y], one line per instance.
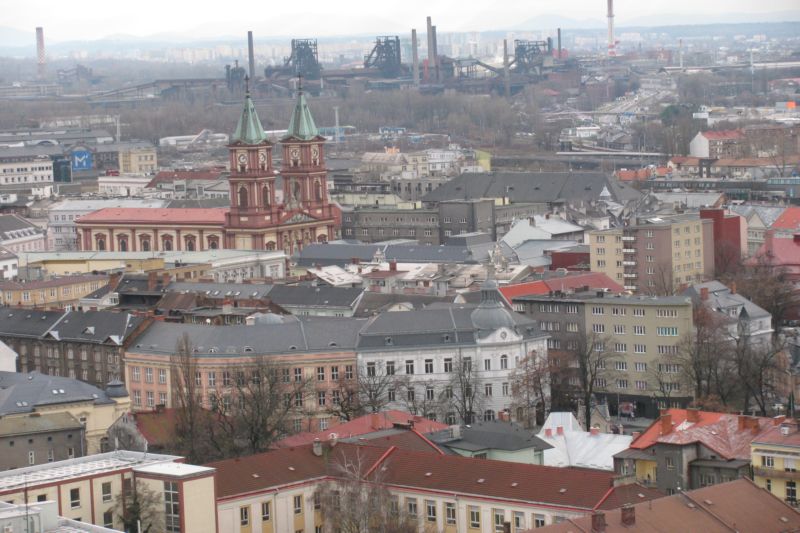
[630, 275]
[628, 251]
[775, 473]
[628, 238]
[629, 263]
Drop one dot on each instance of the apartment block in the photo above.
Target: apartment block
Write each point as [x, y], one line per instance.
[639, 336]
[655, 255]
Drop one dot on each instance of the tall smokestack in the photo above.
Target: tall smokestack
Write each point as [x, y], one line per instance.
[611, 43]
[506, 74]
[559, 43]
[431, 53]
[251, 56]
[437, 74]
[680, 53]
[414, 58]
[40, 56]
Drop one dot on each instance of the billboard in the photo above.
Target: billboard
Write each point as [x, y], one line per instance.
[82, 160]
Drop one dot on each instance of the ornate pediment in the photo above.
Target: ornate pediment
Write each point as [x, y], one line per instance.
[298, 218]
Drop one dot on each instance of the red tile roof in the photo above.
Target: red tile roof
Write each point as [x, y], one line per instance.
[364, 425]
[567, 488]
[789, 219]
[778, 251]
[735, 506]
[155, 215]
[775, 435]
[727, 434]
[594, 280]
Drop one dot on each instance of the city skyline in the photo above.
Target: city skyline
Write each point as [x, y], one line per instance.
[92, 20]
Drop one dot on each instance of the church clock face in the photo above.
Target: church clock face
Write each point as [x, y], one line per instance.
[294, 153]
[242, 159]
[262, 157]
[315, 152]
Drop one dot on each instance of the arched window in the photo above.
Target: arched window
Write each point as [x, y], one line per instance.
[322, 238]
[213, 242]
[270, 245]
[101, 243]
[488, 415]
[189, 243]
[242, 196]
[296, 190]
[166, 243]
[317, 191]
[265, 196]
[503, 362]
[123, 244]
[145, 244]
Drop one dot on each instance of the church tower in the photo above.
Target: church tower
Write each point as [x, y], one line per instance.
[251, 182]
[304, 180]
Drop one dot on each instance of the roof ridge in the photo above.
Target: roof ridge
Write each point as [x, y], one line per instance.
[380, 460]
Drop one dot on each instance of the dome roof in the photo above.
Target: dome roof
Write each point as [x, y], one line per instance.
[491, 314]
[116, 389]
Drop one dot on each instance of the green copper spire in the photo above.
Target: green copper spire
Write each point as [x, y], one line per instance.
[249, 130]
[301, 125]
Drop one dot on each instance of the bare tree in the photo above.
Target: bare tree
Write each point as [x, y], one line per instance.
[758, 365]
[463, 392]
[425, 402]
[255, 407]
[187, 399]
[770, 288]
[357, 500]
[345, 402]
[530, 388]
[140, 509]
[592, 359]
[699, 352]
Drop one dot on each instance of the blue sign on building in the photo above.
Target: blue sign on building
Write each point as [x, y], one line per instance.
[82, 160]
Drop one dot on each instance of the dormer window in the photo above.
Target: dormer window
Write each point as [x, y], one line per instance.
[388, 341]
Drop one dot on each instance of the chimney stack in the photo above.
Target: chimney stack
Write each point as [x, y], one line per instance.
[152, 280]
[598, 522]
[251, 56]
[741, 422]
[628, 515]
[414, 58]
[693, 415]
[611, 43]
[431, 53]
[375, 420]
[559, 44]
[733, 283]
[41, 58]
[704, 293]
[548, 432]
[666, 424]
[594, 431]
[437, 74]
[560, 430]
[393, 265]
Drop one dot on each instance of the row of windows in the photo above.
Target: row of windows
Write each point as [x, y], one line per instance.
[390, 369]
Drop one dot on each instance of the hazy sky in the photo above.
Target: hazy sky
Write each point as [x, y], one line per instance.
[92, 19]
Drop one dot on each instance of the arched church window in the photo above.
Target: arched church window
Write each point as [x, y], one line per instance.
[317, 191]
[242, 197]
[265, 196]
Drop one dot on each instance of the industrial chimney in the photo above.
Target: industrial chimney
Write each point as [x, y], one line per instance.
[611, 44]
[431, 52]
[414, 58]
[40, 57]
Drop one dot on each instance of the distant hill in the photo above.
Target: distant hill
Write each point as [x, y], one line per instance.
[12, 37]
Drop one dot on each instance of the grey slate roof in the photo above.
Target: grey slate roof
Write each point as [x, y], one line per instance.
[721, 298]
[87, 327]
[283, 295]
[494, 435]
[23, 393]
[437, 325]
[341, 254]
[374, 302]
[310, 296]
[38, 423]
[300, 334]
[533, 187]
[14, 226]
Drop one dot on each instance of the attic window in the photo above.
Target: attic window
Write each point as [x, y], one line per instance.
[562, 491]
[332, 344]
[388, 341]
[428, 474]
[514, 484]
[291, 468]
[446, 338]
[481, 480]
[89, 331]
[708, 502]
[255, 476]
[254, 294]
[212, 350]
[248, 349]
[292, 347]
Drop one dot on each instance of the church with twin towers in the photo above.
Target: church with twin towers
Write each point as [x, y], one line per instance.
[270, 209]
